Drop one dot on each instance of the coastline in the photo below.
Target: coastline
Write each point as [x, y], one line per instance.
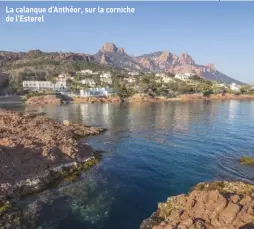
[38, 153]
[54, 100]
[188, 97]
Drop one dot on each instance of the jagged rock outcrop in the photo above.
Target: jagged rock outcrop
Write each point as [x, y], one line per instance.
[116, 57]
[186, 59]
[34, 53]
[72, 56]
[111, 47]
[146, 62]
[104, 59]
[36, 151]
[158, 62]
[217, 205]
[120, 50]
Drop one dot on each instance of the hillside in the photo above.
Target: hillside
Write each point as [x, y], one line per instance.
[41, 65]
[159, 62]
[38, 65]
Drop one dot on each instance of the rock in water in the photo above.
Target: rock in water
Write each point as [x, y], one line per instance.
[44, 99]
[35, 150]
[218, 205]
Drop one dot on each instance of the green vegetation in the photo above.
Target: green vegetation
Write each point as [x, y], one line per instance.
[125, 92]
[247, 89]
[236, 187]
[4, 207]
[72, 174]
[247, 160]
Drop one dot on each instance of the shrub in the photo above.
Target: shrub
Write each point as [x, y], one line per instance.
[207, 92]
[247, 160]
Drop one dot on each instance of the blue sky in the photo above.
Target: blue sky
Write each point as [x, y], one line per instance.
[221, 33]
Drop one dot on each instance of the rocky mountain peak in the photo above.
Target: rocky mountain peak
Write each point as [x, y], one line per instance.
[34, 52]
[120, 50]
[111, 47]
[211, 67]
[164, 56]
[146, 62]
[185, 58]
[104, 59]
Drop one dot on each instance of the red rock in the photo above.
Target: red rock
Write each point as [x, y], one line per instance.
[30, 144]
[216, 206]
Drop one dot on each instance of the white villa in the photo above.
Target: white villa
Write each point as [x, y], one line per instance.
[88, 72]
[106, 78]
[234, 87]
[160, 74]
[89, 82]
[130, 79]
[64, 77]
[133, 73]
[220, 85]
[96, 92]
[45, 85]
[163, 78]
[184, 76]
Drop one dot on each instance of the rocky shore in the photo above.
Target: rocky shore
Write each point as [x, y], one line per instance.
[109, 99]
[187, 97]
[52, 99]
[198, 96]
[147, 98]
[216, 205]
[45, 99]
[37, 152]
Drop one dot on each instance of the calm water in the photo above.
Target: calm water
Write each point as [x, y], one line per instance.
[152, 151]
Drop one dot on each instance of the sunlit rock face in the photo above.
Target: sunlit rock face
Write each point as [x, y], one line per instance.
[216, 205]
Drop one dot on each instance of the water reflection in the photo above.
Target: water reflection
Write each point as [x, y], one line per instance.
[153, 150]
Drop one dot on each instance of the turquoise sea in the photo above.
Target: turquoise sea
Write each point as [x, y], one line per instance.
[150, 151]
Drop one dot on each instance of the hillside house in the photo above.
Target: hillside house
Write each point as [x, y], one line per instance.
[106, 78]
[88, 82]
[184, 76]
[96, 92]
[220, 85]
[60, 85]
[133, 73]
[160, 75]
[163, 78]
[86, 72]
[234, 87]
[130, 79]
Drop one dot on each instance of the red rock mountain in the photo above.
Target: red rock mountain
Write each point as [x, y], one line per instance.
[116, 57]
[165, 61]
